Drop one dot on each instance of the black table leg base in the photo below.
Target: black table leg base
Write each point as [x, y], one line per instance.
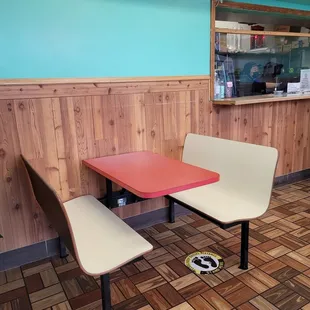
[171, 211]
[62, 249]
[105, 292]
[109, 193]
[244, 245]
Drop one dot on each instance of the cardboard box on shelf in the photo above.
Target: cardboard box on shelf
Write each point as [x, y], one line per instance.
[295, 44]
[287, 47]
[304, 42]
[221, 42]
[279, 48]
[282, 28]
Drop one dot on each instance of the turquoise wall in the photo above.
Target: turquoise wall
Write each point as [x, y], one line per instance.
[98, 38]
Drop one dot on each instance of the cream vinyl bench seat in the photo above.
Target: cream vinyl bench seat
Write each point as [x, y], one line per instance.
[99, 240]
[244, 190]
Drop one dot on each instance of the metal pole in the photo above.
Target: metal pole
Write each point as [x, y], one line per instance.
[244, 245]
[105, 292]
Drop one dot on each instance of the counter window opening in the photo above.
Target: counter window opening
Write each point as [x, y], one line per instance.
[260, 53]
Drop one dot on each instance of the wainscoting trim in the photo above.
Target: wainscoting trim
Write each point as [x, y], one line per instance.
[56, 88]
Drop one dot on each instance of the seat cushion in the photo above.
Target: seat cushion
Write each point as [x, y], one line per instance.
[218, 203]
[103, 241]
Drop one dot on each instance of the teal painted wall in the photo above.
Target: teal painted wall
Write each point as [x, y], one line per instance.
[107, 38]
[96, 38]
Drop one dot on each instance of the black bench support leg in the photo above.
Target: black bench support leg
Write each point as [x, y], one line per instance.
[105, 292]
[171, 211]
[244, 245]
[62, 249]
[109, 193]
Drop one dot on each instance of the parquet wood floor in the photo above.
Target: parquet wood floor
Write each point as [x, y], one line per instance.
[278, 275]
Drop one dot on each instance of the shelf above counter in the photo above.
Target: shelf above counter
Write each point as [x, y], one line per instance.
[258, 99]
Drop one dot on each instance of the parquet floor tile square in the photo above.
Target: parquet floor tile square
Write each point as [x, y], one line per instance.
[278, 276]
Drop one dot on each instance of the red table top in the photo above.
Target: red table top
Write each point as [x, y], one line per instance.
[150, 175]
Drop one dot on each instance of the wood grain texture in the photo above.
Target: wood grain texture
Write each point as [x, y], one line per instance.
[56, 130]
[103, 80]
[266, 33]
[258, 99]
[56, 134]
[55, 88]
[262, 8]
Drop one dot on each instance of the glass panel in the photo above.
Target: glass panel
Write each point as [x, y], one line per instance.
[247, 65]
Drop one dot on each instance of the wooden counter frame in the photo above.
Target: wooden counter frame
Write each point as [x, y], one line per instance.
[258, 99]
[250, 7]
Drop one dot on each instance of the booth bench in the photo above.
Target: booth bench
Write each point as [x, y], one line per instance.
[244, 190]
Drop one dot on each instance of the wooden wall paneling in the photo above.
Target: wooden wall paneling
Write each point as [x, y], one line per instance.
[192, 111]
[305, 134]
[21, 222]
[267, 124]
[247, 123]
[289, 132]
[138, 132]
[14, 207]
[187, 116]
[97, 110]
[154, 122]
[47, 138]
[56, 133]
[257, 123]
[281, 125]
[70, 145]
[300, 135]
[278, 133]
[204, 107]
[122, 139]
[168, 109]
[28, 126]
[236, 119]
[10, 215]
[86, 145]
[225, 124]
[34, 121]
[61, 150]
[306, 158]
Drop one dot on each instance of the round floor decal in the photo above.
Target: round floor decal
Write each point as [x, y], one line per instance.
[204, 262]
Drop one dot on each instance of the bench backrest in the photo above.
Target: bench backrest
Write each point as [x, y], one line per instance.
[50, 204]
[245, 169]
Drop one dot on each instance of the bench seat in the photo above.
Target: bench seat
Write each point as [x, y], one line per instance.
[244, 190]
[97, 230]
[99, 240]
[219, 204]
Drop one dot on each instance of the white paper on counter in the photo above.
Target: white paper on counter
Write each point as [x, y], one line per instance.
[305, 80]
[293, 88]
